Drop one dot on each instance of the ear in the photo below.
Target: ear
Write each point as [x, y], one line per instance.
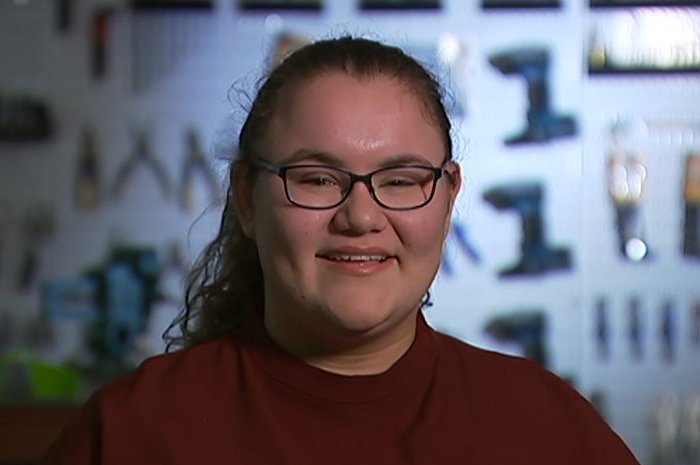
[242, 190]
[454, 180]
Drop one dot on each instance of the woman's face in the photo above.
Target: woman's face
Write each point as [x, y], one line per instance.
[360, 125]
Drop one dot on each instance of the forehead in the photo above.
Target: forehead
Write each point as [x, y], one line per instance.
[354, 119]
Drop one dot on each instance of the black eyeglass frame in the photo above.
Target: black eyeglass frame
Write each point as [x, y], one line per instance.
[366, 179]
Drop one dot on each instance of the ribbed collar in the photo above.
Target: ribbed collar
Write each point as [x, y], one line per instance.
[412, 371]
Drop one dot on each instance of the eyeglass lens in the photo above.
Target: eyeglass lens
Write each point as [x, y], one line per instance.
[399, 187]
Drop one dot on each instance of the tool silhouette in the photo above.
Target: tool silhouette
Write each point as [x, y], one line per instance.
[532, 64]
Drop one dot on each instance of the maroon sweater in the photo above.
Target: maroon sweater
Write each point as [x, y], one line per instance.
[242, 400]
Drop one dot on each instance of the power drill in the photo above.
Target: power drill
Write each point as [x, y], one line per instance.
[537, 257]
[532, 63]
[527, 329]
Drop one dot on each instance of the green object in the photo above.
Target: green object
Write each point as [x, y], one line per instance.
[26, 378]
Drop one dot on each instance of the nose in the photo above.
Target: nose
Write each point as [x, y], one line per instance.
[359, 213]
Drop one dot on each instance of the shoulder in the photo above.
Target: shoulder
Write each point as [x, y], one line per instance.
[170, 377]
[515, 383]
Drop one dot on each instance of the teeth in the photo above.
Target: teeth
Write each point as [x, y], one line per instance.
[358, 258]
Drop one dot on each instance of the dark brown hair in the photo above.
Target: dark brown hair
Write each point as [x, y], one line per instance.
[226, 282]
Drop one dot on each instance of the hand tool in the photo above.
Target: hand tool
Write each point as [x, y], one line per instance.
[691, 195]
[635, 328]
[38, 225]
[196, 163]
[695, 323]
[602, 328]
[101, 19]
[142, 155]
[667, 331]
[627, 175]
[87, 193]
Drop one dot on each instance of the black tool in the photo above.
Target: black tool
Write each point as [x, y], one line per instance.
[87, 194]
[196, 163]
[626, 178]
[519, 4]
[691, 197]
[400, 4]
[5, 221]
[635, 328]
[24, 118]
[101, 19]
[667, 330]
[142, 155]
[532, 64]
[527, 329]
[308, 5]
[459, 236]
[537, 256]
[64, 14]
[695, 323]
[602, 329]
[38, 225]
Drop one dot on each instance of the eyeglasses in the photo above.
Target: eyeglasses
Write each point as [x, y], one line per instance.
[320, 187]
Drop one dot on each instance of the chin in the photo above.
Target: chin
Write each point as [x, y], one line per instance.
[361, 315]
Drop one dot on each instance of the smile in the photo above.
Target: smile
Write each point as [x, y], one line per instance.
[356, 258]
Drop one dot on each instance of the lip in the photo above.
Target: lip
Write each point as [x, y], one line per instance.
[361, 268]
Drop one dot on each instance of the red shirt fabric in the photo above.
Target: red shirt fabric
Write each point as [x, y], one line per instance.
[243, 400]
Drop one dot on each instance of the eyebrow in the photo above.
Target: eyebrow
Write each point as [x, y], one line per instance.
[327, 158]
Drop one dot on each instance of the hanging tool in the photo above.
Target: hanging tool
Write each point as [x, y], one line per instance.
[38, 225]
[5, 222]
[665, 421]
[537, 257]
[519, 4]
[279, 4]
[532, 64]
[695, 324]
[635, 328]
[527, 329]
[87, 191]
[142, 155]
[404, 5]
[163, 33]
[667, 331]
[691, 194]
[626, 178]
[196, 163]
[459, 236]
[64, 14]
[101, 21]
[602, 329]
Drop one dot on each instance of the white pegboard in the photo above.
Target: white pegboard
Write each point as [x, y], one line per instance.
[229, 48]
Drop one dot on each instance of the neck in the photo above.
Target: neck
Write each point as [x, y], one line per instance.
[350, 355]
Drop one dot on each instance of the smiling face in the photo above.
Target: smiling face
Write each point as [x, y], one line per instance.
[357, 270]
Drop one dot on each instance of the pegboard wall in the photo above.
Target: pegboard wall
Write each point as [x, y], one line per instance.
[119, 72]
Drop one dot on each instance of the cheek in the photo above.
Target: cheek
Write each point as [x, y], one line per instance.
[423, 231]
[288, 231]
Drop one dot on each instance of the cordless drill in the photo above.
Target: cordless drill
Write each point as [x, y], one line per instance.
[532, 63]
[527, 329]
[537, 257]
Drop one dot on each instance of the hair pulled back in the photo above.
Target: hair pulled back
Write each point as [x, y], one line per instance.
[226, 283]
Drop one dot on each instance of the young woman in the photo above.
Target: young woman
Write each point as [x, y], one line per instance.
[303, 337]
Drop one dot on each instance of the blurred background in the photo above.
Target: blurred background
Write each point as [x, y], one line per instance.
[576, 240]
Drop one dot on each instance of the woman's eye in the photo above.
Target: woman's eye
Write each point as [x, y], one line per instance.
[318, 180]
